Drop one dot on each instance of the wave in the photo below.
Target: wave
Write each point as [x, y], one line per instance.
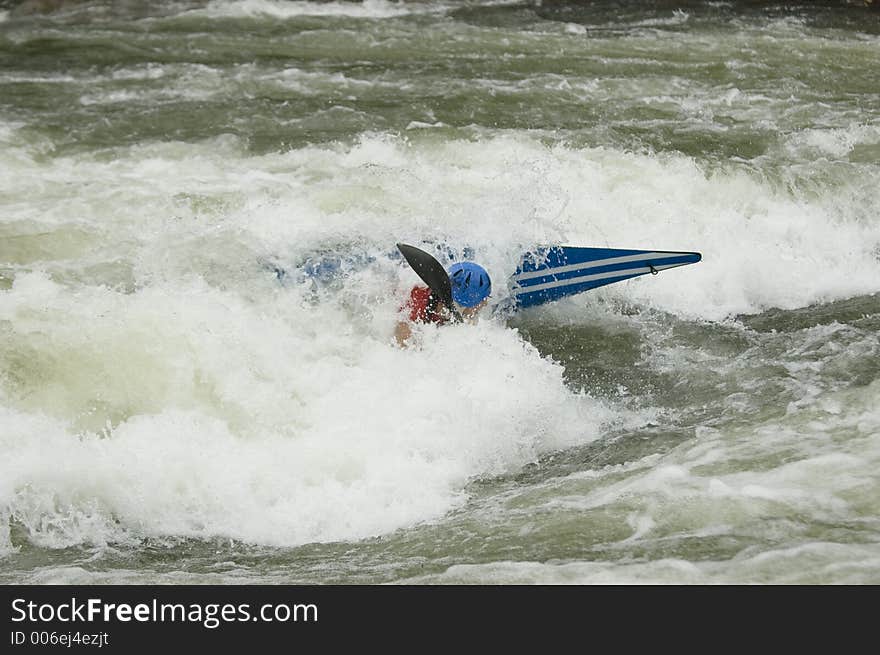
[187, 411]
[158, 382]
[285, 9]
[776, 237]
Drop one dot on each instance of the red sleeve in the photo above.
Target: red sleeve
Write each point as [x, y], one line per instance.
[418, 304]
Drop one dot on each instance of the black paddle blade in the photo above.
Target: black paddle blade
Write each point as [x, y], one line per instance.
[432, 273]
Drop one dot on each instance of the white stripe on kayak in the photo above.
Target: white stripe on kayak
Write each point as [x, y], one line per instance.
[585, 266]
[596, 276]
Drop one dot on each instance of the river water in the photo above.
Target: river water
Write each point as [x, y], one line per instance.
[173, 409]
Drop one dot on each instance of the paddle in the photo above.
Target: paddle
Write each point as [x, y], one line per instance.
[432, 273]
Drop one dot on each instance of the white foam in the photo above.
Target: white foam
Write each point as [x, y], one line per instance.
[816, 468]
[761, 247]
[76, 575]
[276, 422]
[831, 142]
[286, 9]
[813, 563]
[679, 17]
[240, 408]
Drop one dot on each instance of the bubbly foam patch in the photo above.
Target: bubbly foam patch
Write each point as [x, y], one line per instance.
[193, 412]
[764, 242]
[762, 246]
[814, 563]
[811, 479]
[158, 379]
[277, 9]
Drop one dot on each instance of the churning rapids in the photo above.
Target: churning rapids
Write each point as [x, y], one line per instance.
[172, 411]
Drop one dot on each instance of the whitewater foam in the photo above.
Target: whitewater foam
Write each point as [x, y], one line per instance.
[814, 563]
[159, 382]
[762, 245]
[278, 9]
[186, 411]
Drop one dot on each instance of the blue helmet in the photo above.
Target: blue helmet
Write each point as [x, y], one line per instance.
[470, 283]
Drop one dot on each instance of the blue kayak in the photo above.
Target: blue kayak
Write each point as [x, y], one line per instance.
[544, 274]
[552, 273]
